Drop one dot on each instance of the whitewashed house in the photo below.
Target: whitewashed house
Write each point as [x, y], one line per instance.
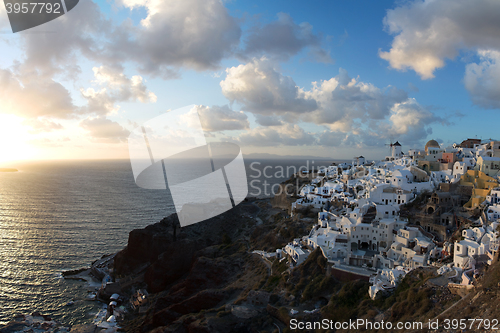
[296, 253]
[464, 251]
[494, 196]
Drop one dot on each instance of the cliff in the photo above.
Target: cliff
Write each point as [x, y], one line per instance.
[208, 280]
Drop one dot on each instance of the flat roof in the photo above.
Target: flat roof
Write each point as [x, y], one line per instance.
[467, 242]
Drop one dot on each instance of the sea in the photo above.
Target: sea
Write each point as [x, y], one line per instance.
[63, 215]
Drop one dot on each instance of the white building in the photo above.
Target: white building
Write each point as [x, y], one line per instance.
[464, 251]
[477, 241]
[333, 243]
[358, 161]
[409, 248]
[296, 253]
[459, 169]
[386, 280]
[494, 196]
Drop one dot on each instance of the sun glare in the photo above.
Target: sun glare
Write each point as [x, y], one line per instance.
[13, 140]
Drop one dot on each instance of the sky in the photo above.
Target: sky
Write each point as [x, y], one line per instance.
[335, 79]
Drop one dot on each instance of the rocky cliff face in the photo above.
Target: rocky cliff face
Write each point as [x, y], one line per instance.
[145, 245]
[155, 244]
[201, 269]
[208, 279]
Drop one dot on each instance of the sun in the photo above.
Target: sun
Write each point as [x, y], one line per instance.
[13, 140]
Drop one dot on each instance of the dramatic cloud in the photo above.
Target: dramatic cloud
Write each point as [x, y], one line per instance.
[337, 102]
[105, 130]
[194, 33]
[354, 112]
[287, 135]
[117, 88]
[268, 120]
[342, 100]
[483, 80]
[80, 32]
[127, 89]
[431, 31]
[263, 90]
[218, 118]
[410, 121]
[284, 38]
[32, 96]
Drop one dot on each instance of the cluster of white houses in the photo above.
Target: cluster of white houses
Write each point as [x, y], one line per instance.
[366, 232]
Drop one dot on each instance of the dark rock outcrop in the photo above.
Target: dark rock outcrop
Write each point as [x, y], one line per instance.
[199, 271]
[172, 264]
[145, 245]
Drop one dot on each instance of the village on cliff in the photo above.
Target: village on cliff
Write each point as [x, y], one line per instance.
[369, 225]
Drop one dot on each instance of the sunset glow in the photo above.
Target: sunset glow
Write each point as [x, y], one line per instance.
[13, 136]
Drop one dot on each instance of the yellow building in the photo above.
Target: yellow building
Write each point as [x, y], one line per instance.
[481, 183]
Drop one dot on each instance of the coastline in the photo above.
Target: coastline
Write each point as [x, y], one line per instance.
[227, 273]
[209, 236]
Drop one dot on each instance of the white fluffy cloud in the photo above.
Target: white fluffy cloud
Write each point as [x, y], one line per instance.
[196, 34]
[410, 121]
[127, 89]
[193, 33]
[117, 88]
[32, 96]
[430, 31]
[482, 80]
[343, 100]
[105, 130]
[263, 90]
[353, 112]
[80, 32]
[337, 102]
